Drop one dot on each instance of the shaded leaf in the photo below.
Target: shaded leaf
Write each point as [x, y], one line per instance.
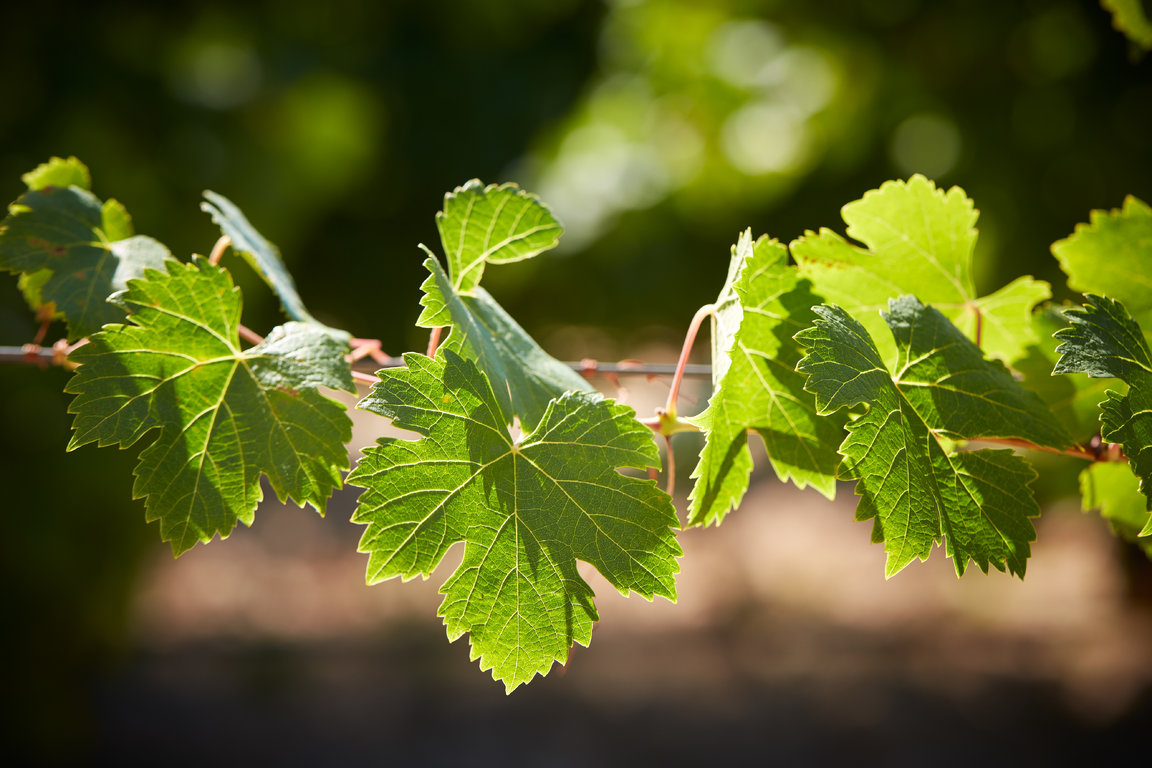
[224, 415]
[915, 491]
[69, 249]
[1104, 341]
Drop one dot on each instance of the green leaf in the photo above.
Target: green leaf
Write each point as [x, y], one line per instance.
[1110, 257]
[492, 225]
[959, 394]
[1111, 487]
[261, 255]
[919, 241]
[916, 492]
[225, 415]
[1128, 17]
[526, 510]
[529, 378]
[71, 251]
[762, 305]
[58, 172]
[1105, 341]
[1072, 399]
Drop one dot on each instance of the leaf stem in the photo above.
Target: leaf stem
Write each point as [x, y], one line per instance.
[689, 339]
[249, 335]
[670, 465]
[218, 250]
[1111, 452]
[434, 341]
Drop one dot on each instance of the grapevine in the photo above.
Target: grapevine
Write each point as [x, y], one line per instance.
[865, 357]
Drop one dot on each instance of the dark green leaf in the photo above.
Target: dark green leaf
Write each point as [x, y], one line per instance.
[1105, 341]
[916, 492]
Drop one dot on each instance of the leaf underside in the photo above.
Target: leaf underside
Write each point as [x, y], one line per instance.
[526, 510]
[762, 305]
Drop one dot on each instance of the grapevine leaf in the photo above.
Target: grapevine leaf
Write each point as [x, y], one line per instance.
[1072, 399]
[959, 394]
[492, 224]
[58, 172]
[762, 305]
[224, 414]
[261, 255]
[528, 377]
[1104, 341]
[71, 250]
[526, 510]
[917, 493]
[919, 241]
[1111, 487]
[1110, 256]
[1128, 17]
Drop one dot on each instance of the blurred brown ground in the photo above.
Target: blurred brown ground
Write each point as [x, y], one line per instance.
[786, 645]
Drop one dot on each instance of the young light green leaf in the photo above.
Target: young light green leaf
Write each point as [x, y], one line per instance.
[762, 305]
[71, 250]
[527, 377]
[1128, 16]
[225, 415]
[1110, 256]
[58, 172]
[526, 510]
[1111, 487]
[917, 493]
[492, 225]
[1105, 341]
[263, 256]
[919, 241]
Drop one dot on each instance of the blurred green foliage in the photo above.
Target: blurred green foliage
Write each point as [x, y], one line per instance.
[658, 129]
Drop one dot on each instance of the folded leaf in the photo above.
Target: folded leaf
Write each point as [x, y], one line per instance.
[916, 491]
[263, 256]
[526, 510]
[225, 415]
[763, 304]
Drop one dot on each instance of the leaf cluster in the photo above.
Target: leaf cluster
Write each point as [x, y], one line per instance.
[866, 357]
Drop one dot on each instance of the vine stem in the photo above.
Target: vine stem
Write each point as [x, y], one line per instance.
[708, 310]
[434, 340]
[218, 250]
